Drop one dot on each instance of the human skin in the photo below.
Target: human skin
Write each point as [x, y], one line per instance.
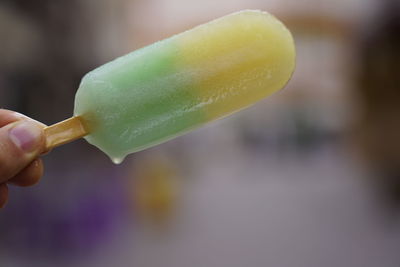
[21, 143]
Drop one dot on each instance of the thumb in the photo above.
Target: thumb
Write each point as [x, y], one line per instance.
[20, 143]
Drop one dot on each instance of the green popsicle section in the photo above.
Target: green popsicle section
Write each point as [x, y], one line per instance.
[173, 86]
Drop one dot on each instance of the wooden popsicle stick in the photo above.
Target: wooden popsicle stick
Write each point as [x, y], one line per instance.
[64, 132]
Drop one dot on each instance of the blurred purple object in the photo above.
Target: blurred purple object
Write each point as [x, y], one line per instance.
[31, 225]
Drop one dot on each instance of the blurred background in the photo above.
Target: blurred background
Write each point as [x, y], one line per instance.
[309, 177]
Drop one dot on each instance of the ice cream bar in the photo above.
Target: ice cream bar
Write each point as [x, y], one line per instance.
[178, 84]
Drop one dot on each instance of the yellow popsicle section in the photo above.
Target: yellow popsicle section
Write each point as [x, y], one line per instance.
[173, 86]
[246, 57]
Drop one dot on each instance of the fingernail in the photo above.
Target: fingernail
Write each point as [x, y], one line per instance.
[26, 135]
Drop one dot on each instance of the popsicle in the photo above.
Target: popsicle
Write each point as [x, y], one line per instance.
[178, 84]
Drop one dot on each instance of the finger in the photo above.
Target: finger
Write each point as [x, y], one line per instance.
[3, 195]
[30, 175]
[9, 116]
[20, 143]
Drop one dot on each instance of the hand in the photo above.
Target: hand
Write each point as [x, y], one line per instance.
[21, 142]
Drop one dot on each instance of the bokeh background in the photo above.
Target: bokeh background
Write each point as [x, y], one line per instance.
[309, 177]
